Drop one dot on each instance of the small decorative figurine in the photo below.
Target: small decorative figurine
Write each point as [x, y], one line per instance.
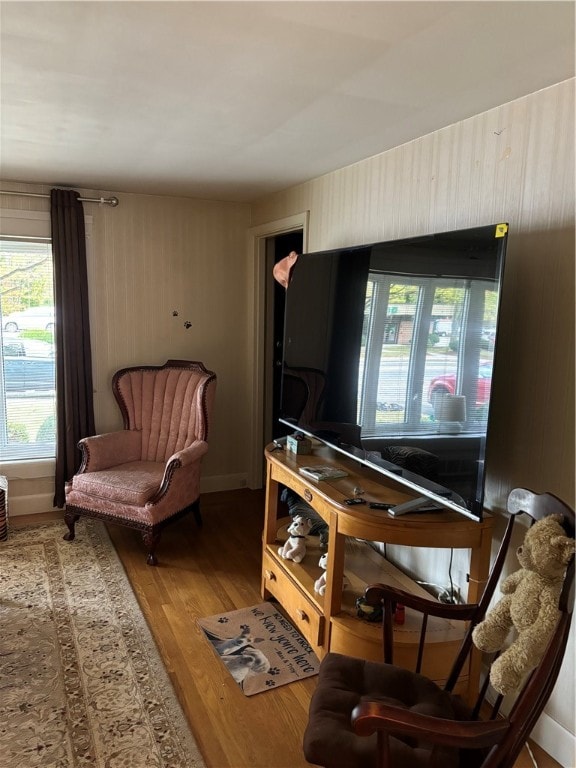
[320, 583]
[295, 546]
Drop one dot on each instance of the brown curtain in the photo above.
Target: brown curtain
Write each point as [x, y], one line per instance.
[74, 394]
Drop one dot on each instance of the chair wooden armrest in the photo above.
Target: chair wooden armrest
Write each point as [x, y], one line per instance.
[179, 470]
[380, 594]
[387, 596]
[371, 716]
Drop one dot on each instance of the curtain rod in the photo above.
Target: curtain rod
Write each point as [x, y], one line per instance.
[112, 201]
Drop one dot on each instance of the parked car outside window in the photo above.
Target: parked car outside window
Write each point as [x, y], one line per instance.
[14, 346]
[33, 318]
[28, 365]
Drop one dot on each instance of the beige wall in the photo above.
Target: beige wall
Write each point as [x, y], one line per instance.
[515, 164]
[147, 258]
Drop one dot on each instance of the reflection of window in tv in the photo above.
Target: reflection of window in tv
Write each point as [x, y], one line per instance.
[400, 387]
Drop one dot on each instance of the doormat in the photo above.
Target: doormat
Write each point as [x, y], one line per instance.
[260, 648]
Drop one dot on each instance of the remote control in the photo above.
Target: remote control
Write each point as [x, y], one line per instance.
[379, 505]
[355, 500]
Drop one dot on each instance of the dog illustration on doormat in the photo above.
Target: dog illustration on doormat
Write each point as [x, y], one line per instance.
[260, 648]
[239, 655]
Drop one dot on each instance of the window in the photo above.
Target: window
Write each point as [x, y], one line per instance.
[426, 356]
[27, 352]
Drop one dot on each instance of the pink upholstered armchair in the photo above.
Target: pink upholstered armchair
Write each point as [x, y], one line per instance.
[148, 474]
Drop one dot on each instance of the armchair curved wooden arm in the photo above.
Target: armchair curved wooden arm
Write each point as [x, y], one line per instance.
[148, 474]
[367, 714]
[191, 454]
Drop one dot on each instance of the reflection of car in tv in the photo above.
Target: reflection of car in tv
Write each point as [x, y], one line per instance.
[446, 385]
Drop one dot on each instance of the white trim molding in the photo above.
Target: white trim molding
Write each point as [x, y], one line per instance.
[556, 740]
[257, 290]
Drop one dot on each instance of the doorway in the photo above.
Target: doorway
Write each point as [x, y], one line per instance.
[277, 248]
[269, 243]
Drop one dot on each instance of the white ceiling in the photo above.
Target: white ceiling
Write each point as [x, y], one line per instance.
[233, 100]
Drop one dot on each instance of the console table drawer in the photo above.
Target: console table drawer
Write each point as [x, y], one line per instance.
[304, 615]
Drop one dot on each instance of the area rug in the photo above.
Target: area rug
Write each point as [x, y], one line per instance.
[260, 648]
[81, 680]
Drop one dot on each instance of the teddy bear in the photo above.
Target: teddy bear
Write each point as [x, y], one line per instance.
[529, 604]
[294, 548]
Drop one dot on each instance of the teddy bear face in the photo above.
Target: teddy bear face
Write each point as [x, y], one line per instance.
[543, 550]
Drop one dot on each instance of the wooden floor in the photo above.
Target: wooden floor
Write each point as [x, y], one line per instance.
[206, 571]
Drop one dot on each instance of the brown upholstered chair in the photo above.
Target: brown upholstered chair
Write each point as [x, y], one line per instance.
[148, 474]
[366, 714]
[304, 390]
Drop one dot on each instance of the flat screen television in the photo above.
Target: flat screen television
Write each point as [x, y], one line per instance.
[388, 355]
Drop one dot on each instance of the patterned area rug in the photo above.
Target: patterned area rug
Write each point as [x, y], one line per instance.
[260, 648]
[81, 680]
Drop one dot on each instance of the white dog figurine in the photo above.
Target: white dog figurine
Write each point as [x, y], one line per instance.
[320, 583]
[295, 546]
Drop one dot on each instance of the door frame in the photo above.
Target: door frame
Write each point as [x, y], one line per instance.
[257, 322]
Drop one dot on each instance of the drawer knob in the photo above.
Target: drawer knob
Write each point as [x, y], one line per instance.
[307, 495]
[301, 614]
[270, 575]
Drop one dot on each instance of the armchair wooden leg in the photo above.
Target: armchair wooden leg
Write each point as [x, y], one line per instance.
[70, 519]
[151, 542]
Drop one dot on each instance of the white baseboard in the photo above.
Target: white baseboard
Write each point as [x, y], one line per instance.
[556, 740]
[30, 505]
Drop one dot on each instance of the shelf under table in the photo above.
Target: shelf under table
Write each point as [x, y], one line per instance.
[357, 637]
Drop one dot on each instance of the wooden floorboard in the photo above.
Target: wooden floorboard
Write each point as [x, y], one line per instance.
[201, 572]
